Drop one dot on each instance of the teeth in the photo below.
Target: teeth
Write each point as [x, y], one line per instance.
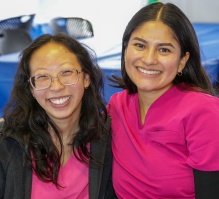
[149, 72]
[59, 101]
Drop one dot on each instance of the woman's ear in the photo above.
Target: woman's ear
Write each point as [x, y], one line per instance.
[183, 61]
[86, 80]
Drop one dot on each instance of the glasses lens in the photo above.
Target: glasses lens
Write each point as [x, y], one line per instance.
[69, 77]
[66, 77]
[40, 82]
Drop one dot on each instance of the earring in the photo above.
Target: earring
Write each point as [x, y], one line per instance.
[179, 73]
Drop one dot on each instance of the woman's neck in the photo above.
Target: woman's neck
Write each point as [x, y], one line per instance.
[146, 99]
[67, 129]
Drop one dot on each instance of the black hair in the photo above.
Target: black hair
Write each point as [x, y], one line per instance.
[194, 75]
[26, 120]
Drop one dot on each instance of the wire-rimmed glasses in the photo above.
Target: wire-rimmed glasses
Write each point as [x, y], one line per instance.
[66, 77]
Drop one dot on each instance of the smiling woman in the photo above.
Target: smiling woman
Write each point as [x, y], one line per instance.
[164, 124]
[155, 53]
[58, 83]
[56, 132]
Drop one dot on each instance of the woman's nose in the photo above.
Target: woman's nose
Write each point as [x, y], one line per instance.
[56, 84]
[149, 56]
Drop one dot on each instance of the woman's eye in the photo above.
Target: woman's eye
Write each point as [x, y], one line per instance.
[67, 72]
[139, 45]
[164, 50]
[41, 76]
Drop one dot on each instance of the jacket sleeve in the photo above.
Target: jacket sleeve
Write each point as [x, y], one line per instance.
[100, 175]
[206, 184]
[14, 183]
[110, 194]
[2, 174]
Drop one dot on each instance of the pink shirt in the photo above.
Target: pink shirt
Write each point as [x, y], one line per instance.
[155, 160]
[73, 176]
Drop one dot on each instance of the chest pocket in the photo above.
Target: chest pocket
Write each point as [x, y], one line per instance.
[168, 153]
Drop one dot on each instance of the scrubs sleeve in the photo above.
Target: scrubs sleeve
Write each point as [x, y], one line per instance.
[202, 135]
[206, 184]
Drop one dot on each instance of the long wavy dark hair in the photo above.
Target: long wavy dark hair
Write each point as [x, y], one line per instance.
[194, 74]
[28, 122]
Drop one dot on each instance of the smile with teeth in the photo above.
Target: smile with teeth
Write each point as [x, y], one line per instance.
[149, 72]
[59, 101]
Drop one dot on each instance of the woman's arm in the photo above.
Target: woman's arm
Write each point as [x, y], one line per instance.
[206, 184]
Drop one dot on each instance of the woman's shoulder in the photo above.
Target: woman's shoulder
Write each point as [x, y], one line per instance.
[9, 146]
[192, 94]
[122, 98]
[199, 102]
[200, 97]
[11, 155]
[120, 94]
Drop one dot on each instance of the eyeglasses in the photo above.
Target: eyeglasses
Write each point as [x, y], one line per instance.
[43, 81]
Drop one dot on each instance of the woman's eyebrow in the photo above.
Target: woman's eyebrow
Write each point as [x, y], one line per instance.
[160, 44]
[139, 39]
[167, 44]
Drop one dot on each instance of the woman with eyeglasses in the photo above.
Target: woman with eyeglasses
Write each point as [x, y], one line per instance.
[55, 138]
